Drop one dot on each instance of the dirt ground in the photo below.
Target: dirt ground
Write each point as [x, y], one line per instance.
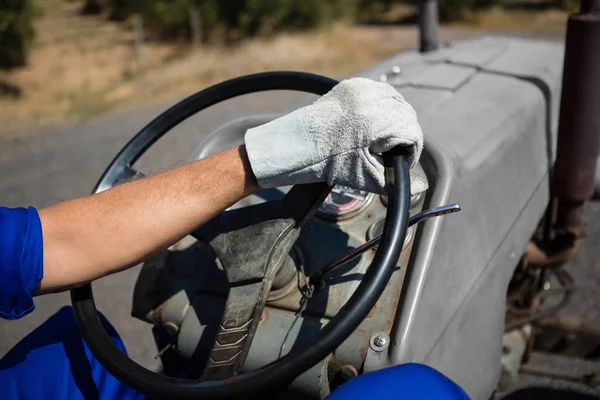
[82, 66]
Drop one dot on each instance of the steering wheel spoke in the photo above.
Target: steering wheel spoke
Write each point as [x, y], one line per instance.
[125, 174]
[303, 201]
[252, 243]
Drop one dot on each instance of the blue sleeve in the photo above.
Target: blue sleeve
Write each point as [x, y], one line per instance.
[54, 362]
[406, 381]
[21, 260]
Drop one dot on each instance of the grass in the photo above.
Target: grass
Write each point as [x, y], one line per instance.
[528, 20]
[84, 66]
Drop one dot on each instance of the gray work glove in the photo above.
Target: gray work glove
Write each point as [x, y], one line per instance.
[333, 139]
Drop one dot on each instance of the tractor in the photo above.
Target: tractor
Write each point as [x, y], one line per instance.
[294, 291]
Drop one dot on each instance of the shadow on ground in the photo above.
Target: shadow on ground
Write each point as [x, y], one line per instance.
[539, 393]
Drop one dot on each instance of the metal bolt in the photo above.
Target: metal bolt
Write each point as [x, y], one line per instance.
[396, 70]
[380, 341]
[171, 328]
[383, 78]
[347, 372]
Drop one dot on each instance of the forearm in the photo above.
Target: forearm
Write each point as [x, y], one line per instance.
[87, 238]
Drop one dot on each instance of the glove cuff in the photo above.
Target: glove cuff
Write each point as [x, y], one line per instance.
[281, 149]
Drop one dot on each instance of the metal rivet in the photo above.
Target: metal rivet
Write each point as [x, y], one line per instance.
[347, 372]
[383, 78]
[396, 69]
[230, 323]
[171, 328]
[379, 341]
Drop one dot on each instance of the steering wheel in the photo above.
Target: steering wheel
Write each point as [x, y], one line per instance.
[251, 244]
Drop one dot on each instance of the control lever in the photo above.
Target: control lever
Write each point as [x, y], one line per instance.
[316, 280]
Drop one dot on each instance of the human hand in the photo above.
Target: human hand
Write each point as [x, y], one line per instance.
[335, 139]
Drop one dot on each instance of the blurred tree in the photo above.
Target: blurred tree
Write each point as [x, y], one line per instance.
[456, 10]
[270, 16]
[91, 7]
[487, 3]
[567, 5]
[167, 18]
[210, 14]
[120, 10]
[16, 32]
[170, 19]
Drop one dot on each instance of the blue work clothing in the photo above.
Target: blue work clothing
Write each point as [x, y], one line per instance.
[21, 260]
[406, 381]
[53, 362]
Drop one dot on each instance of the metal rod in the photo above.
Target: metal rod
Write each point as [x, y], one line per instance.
[429, 26]
[579, 127]
[543, 371]
[316, 278]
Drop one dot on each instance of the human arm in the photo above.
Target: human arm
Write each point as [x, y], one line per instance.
[88, 238]
[331, 140]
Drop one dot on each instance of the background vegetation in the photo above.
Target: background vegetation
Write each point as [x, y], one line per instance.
[90, 56]
[170, 19]
[16, 32]
[209, 20]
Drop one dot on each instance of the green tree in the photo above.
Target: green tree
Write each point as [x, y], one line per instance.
[170, 19]
[16, 32]
[91, 7]
[120, 10]
[455, 10]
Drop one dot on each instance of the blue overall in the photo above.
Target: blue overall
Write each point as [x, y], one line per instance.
[53, 362]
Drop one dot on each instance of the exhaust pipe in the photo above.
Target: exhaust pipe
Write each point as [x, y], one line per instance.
[579, 127]
[574, 176]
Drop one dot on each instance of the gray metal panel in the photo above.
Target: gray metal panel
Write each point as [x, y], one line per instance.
[478, 323]
[443, 76]
[478, 52]
[275, 329]
[539, 60]
[483, 117]
[486, 147]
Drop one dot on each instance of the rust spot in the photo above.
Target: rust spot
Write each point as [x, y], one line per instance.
[264, 316]
[361, 331]
[373, 310]
[363, 349]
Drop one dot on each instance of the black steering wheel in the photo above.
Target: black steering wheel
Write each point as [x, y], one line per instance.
[251, 244]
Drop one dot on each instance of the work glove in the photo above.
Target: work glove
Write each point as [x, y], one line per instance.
[335, 139]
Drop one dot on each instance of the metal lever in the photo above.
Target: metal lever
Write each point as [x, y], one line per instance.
[317, 277]
[434, 212]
